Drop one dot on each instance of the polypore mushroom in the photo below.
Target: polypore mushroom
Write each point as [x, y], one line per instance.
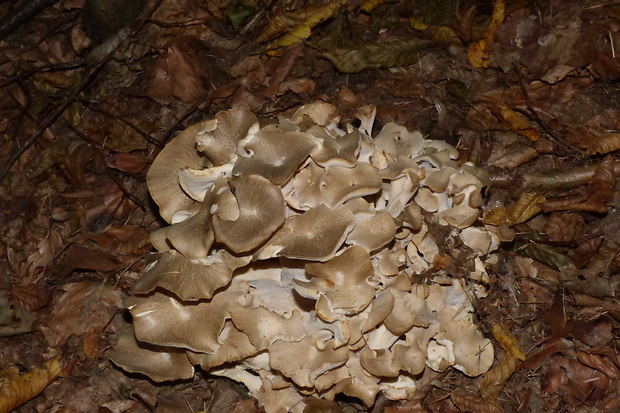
[261, 213]
[159, 363]
[291, 260]
[340, 284]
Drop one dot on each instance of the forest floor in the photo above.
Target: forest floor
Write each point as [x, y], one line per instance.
[90, 93]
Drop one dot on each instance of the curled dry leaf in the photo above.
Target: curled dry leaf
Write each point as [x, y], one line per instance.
[16, 389]
[494, 381]
[470, 402]
[564, 226]
[599, 363]
[394, 53]
[517, 122]
[508, 342]
[479, 51]
[524, 209]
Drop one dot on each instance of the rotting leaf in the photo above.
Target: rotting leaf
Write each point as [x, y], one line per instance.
[508, 342]
[16, 389]
[469, 402]
[518, 123]
[303, 30]
[494, 381]
[524, 209]
[395, 53]
[479, 51]
[370, 5]
[549, 255]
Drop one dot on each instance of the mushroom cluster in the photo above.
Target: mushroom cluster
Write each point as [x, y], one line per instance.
[304, 259]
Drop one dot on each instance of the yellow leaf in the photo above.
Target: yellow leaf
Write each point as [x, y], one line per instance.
[16, 389]
[303, 30]
[517, 122]
[370, 5]
[525, 208]
[417, 24]
[479, 51]
[508, 342]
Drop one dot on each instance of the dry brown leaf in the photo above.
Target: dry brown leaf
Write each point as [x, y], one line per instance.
[83, 307]
[181, 72]
[470, 402]
[30, 297]
[508, 342]
[518, 123]
[599, 363]
[564, 226]
[494, 381]
[16, 389]
[479, 51]
[605, 143]
[524, 209]
[128, 162]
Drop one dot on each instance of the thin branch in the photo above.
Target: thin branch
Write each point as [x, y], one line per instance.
[87, 78]
[104, 112]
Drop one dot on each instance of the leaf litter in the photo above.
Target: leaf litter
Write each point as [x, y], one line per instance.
[525, 90]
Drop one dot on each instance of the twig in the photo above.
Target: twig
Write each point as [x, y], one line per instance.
[21, 14]
[88, 77]
[104, 112]
[76, 64]
[534, 113]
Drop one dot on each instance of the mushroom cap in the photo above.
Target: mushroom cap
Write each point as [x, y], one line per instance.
[373, 232]
[189, 280]
[192, 237]
[261, 213]
[165, 321]
[397, 140]
[263, 327]
[159, 363]
[219, 139]
[304, 190]
[343, 281]
[163, 176]
[274, 154]
[341, 183]
[314, 235]
[338, 150]
[302, 361]
[235, 346]
[473, 354]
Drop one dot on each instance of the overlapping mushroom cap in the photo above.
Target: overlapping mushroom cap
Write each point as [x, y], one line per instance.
[290, 261]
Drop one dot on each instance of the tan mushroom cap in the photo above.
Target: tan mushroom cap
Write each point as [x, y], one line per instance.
[165, 321]
[341, 184]
[403, 356]
[343, 281]
[374, 232]
[159, 363]
[303, 362]
[163, 176]
[263, 327]
[473, 354]
[189, 280]
[338, 150]
[193, 237]
[219, 138]
[261, 213]
[410, 309]
[274, 155]
[304, 190]
[314, 235]
[321, 113]
[397, 140]
[196, 183]
[235, 346]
